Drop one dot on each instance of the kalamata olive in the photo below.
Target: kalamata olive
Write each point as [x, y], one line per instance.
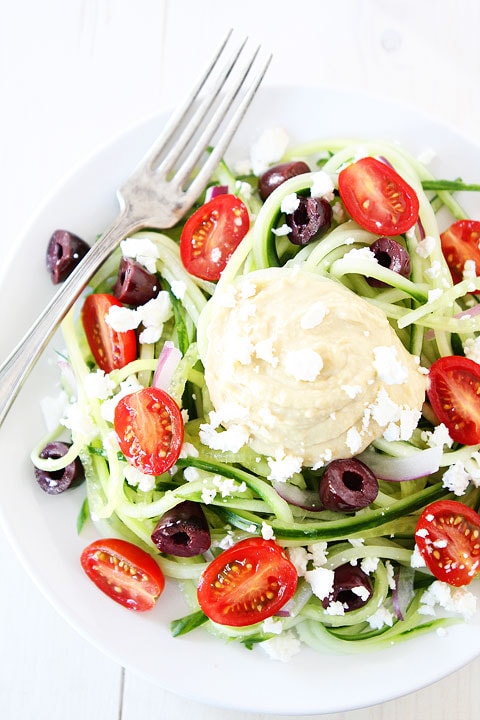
[135, 285]
[64, 252]
[390, 254]
[275, 176]
[351, 586]
[347, 485]
[310, 220]
[183, 531]
[56, 482]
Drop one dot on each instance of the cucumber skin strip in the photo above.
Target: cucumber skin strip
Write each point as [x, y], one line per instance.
[345, 527]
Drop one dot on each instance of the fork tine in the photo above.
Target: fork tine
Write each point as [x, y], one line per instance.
[208, 168]
[231, 92]
[195, 121]
[171, 127]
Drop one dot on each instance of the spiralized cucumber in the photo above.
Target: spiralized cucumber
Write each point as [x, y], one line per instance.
[427, 322]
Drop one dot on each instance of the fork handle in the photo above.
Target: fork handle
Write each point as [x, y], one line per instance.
[16, 368]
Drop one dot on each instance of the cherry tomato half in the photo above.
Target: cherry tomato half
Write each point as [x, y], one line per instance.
[459, 244]
[124, 572]
[247, 583]
[454, 394]
[149, 427]
[111, 349]
[377, 198]
[211, 235]
[448, 538]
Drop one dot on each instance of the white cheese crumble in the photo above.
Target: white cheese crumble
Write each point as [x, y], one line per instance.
[369, 564]
[282, 230]
[314, 315]
[299, 558]
[389, 369]
[153, 314]
[267, 531]
[362, 592]
[318, 552]
[417, 560]
[380, 617]
[471, 348]
[469, 270]
[304, 364]
[354, 440]
[282, 466]
[208, 495]
[452, 599]
[282, 647]
[98, 385]
[426, 246]
[438, 437]
[234, 438]
[136, 478]
[456, 478]
[321, 581]
[434, 271]
[351, 390]
[322, 186]
[128, 386]
[141, 249]
[78, 420]
[336, 607]
[290, 203]
[179, 288]
[264, 350]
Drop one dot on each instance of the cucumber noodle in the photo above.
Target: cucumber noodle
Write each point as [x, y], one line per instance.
[383, 534]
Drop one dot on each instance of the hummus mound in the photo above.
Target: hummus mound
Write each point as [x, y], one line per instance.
[303, 367]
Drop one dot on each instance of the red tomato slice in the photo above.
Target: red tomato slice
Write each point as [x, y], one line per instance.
[211, 235]
[377, 198]
[124, 572]
[149, 427]
[447, 537]
[454, 393]
[459, 244]
[247, 583]
[111, 349]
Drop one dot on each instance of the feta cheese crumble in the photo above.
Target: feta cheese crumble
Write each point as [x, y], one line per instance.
[141, 249]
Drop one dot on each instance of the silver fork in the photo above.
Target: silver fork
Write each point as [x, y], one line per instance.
[160, 191]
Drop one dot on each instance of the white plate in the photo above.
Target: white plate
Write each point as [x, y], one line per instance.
[42, 529]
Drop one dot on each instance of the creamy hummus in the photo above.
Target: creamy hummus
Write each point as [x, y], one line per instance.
[300, 367]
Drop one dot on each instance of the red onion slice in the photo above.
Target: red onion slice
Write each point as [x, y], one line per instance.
[403, 591]
[419, 464]
[306, 499]
[168, 360]
[214, 191]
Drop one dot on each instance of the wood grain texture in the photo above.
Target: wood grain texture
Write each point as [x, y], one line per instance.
[75, 74]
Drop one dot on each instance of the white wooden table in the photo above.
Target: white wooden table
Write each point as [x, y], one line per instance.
[75, 73]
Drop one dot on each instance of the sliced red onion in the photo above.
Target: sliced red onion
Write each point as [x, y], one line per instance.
[168, 360]
[403, 591]
[421, 229]
[419, 464]
[306, 499]
[214, 191]
[385, 160]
